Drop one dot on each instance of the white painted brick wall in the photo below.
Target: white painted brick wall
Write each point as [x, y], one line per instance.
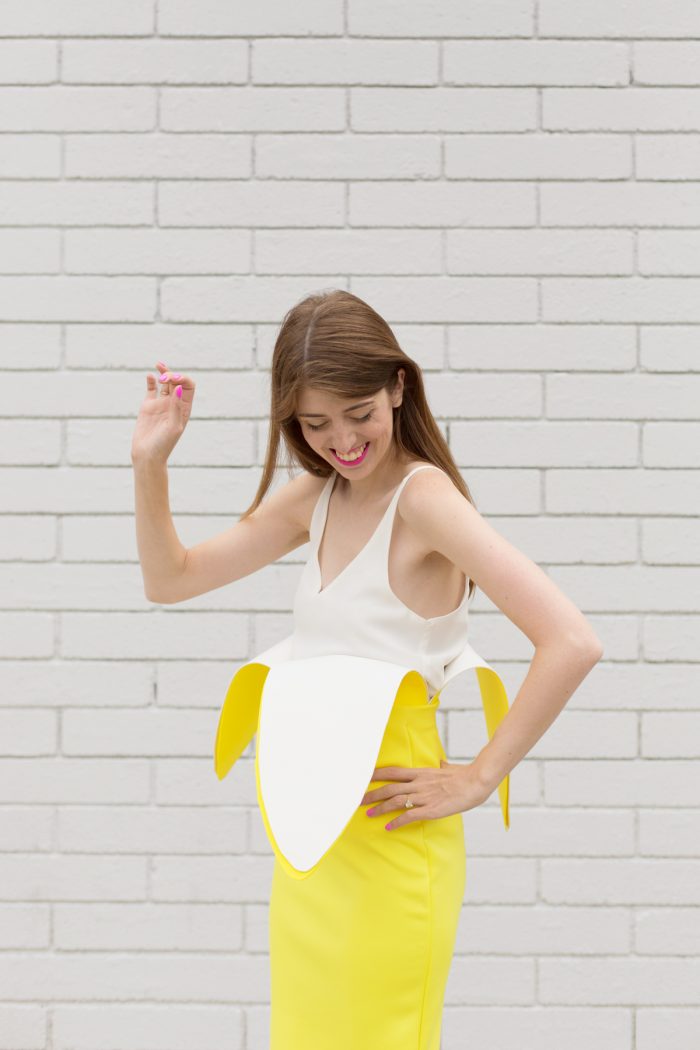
[516, 188]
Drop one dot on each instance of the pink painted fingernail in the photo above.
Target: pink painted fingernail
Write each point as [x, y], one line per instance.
[163, 378]
[388, 827]
[176, 375]
[178, 391]
[370, 812]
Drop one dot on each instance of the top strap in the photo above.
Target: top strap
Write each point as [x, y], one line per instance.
[378, 543]
[318, 515]
[421, 466]
[386, 525]
[320, 511]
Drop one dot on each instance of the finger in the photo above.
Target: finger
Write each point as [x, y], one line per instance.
[151, 386]
[167, 382]
[392, 772]
[379, 811]
[382, 793]
[182, 388]
[170, 379]
[391, 804]
[385, 807]
[402, 777]
[405, 818]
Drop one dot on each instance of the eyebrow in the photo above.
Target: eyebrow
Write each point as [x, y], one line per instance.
[319, 415]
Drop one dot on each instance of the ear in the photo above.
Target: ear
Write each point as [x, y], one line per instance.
[398, 389]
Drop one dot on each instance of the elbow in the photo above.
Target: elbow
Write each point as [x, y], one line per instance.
[591, 647]
[156, 599]
[586, 647]
[171, 597]
[595, 653]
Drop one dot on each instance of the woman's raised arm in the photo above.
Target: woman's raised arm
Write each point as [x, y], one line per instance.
[171, 572]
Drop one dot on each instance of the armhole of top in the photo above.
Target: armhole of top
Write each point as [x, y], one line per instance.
[321, 500]
[466, 598]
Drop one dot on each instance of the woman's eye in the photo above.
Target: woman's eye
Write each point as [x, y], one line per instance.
[318, 426]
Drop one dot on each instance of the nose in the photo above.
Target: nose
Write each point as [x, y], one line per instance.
[346, 443]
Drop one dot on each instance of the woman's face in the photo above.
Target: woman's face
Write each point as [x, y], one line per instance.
[352, 434]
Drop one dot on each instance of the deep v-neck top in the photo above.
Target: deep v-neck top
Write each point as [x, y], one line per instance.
[358, 613]
[356, 653]
[381, 534]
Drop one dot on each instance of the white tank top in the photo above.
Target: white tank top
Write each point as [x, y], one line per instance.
[356, 651]
[358, 614]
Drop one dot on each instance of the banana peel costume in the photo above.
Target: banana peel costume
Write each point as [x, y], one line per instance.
[362, 921]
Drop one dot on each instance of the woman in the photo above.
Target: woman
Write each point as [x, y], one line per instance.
[363, 913]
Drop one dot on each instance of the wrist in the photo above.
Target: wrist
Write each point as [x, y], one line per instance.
[484, 772]
[148, 464]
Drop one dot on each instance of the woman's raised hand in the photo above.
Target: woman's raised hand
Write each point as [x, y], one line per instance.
[163, 415]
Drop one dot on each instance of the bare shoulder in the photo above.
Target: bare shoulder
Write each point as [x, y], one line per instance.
[424, 501]
[446, 521]
[428, 496]
[434, 482]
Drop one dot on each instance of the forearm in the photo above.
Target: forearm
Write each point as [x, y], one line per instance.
[161, 553]
[556, 671]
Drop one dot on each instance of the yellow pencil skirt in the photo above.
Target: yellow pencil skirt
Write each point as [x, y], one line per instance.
[360, 950]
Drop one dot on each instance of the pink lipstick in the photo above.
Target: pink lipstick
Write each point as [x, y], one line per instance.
[353, 462]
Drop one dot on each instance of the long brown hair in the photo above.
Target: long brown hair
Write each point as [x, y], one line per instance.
[336, 342]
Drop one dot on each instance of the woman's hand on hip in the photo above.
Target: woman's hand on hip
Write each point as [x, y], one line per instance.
[435, 792]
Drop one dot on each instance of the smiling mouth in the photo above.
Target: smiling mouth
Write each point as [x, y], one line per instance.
[357, 454]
